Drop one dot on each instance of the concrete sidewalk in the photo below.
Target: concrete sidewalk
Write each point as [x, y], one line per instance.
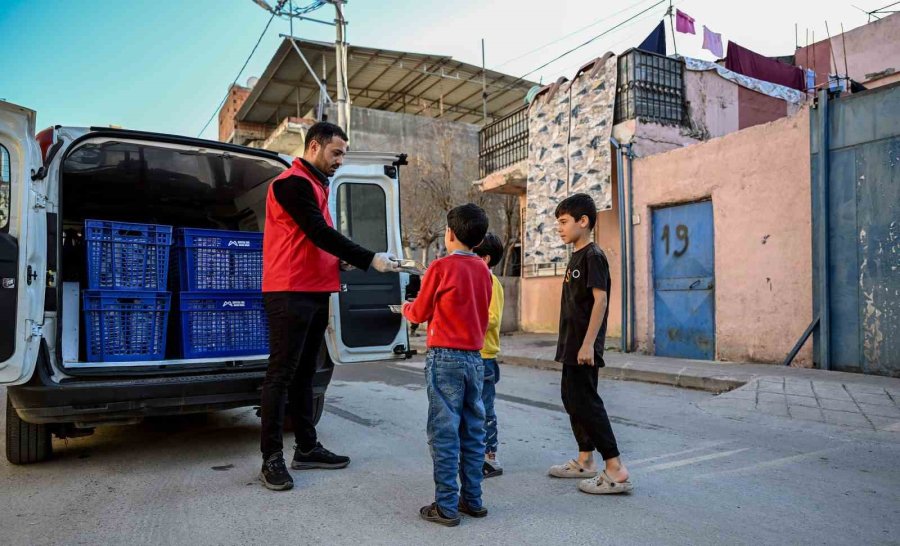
[866, 402]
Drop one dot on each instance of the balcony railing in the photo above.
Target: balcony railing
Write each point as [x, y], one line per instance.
[503, 142]
[650, 88]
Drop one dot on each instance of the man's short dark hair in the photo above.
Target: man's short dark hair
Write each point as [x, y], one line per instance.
[492, 247]
[469, 223]
[578, 205]
[322, 132]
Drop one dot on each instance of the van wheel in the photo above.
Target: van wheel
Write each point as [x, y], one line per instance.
[25, 443]
[319, 407]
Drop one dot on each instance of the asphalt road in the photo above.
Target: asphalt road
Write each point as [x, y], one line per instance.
[700, 477]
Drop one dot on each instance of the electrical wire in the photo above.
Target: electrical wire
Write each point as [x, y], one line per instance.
[241, 71]
[569, 35]
[576, 48]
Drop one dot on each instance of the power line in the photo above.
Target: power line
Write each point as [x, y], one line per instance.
[569, 35]
[227, 93]
[576, 48]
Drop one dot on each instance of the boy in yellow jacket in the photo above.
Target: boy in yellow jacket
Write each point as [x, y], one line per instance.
[491, 251]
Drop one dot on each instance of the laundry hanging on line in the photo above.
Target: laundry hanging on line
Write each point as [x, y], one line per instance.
[712, 42]
[684, 23]
[656, 41]
[750, 63]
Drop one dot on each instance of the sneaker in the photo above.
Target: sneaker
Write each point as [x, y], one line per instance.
[491, 467]
[274, 474]
[319, 457]
[571, 469]
[433, 513]
[464, 508]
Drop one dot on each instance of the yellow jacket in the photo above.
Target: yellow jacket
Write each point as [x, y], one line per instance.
[495, 316]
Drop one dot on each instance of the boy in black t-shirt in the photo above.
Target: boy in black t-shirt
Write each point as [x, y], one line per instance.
[582, 334]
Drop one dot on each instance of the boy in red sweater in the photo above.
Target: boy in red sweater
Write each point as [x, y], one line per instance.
[454, 301]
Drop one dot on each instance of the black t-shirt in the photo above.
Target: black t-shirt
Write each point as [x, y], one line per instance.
[588, 269]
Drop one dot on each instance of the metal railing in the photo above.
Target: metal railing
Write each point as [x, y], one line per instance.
[651, 88]
[503, 143]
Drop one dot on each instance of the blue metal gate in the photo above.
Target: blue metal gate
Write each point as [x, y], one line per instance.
[855, 145]
[684, 281]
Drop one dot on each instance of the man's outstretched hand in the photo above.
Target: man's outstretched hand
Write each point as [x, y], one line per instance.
[386, 262]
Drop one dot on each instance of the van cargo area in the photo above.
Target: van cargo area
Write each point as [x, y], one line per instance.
[149, 182]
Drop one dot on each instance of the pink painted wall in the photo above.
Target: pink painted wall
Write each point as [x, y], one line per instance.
[870, 49]
[759, 182]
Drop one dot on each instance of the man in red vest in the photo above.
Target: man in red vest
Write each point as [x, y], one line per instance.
[301, 260]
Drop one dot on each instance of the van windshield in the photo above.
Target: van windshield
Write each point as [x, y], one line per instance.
[173, 185]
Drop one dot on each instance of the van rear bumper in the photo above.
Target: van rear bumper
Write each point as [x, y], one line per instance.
[90, 403]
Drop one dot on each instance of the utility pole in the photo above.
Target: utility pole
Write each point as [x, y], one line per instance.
[340, 72]
[483, 85]
[671, 14]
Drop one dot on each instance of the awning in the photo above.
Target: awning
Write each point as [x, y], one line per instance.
[396, 81]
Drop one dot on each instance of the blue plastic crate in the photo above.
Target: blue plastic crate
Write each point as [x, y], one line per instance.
[222, 324]
[125, 326]
[212, 260]
[123, 256]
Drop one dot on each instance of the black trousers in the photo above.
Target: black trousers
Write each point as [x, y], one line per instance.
[297, 323]
[590, 423]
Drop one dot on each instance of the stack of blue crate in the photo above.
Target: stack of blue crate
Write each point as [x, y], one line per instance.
[126, 305]
[220, 301]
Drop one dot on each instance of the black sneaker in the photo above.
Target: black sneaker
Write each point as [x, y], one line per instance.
[274, 474]
[491, 469]
[433, 513]
[319, 457]
[464, 508]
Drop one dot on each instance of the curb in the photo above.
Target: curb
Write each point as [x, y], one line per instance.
[627, 373]
[711, 384]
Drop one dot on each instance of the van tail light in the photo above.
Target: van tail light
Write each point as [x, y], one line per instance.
[45, 140]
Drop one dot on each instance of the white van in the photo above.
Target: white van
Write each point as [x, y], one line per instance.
[51, 182]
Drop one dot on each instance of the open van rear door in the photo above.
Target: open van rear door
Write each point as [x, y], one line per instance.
[365, 205]
[23, 245]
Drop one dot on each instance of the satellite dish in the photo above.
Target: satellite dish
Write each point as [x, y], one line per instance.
[252, 81]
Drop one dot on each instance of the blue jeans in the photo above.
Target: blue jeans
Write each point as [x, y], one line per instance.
[455, 426]
[488, 394]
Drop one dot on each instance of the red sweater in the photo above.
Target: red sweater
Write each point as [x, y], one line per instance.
[454, 301]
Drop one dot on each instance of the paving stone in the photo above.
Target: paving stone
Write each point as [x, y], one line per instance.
[862, 388]
[828, 390]
[875, 399]
[801, 388]
[806, 413]
[771, 398]
[846, 419]
[768, 386]
[743, 393]
[808, 401]
[839, 405]
[887, 424]
[881, 411]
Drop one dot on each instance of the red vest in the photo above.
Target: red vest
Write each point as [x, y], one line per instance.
[291, 262]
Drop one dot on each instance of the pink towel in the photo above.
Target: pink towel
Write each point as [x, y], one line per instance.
[684, 22]
[712, 42]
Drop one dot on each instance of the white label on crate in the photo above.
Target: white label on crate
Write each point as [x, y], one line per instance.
[9, 282]
[237, 303]
[245, 244]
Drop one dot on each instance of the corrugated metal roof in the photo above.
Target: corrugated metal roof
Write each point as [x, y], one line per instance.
[413, 83]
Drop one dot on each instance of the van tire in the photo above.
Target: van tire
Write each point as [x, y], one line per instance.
[25, 443]
[318, 408]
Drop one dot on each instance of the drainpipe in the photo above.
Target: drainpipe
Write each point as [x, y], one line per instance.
[620, 179]
[822, 292]
[629, 153]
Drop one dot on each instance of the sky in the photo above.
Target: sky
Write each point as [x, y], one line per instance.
[165, 65]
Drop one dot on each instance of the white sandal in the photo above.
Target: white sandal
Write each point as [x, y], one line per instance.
[604, 485]
[571, 469]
